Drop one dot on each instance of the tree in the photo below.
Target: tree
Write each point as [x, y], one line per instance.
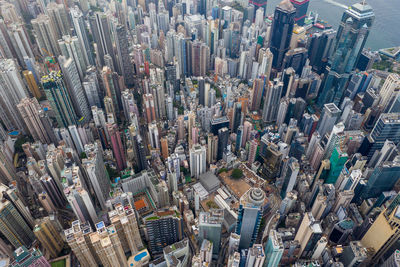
[237, 174]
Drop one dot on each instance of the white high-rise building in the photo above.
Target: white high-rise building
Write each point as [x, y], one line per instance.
[197, 160]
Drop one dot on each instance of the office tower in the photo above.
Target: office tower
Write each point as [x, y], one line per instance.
[117, 146]
[393, 260]
[164, 227]
[197, 160]
[301, 10]
[59, 98]
[74, 86]
[31, 83]
[78, 23]
[350, 40]
[70, 47]
[49, 237]
[320, 48]
[210, 228]
[32, 257]
[124, 219]
[59, 19]
[272, 158]
[354, 254]
[154, 136]
[13, 225]
[282, 30]
[124, 59]
[249, 216]
[289, 175]
[12, 91]
[101, 32]
[218, 123]
[272, 101]
[387, 127]
[296, 59]
[78, 239]
[149, 106]
[223, 136]
[164, 147]
[77, 195]
[273, 249]
[265, 63]
[330, 115]
[97, 173]
[258, 89]
[201, 87]
[255, 256]
[46, 35]
[383, 178]
[237, 116]
[30, 111]
[308, 234]
[389, 90]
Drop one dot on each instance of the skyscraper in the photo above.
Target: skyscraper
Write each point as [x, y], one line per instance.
[282, 31]
[124, 219]
[350, 40]
[117, 146]
[49, 237]
[330, 115]
[289, 175]
[124, 59]
[100, 26]
[13, 224]
[30, 110]
[223, 136]
[74, 87]
[384, 232]
[97, 173]
[197, 160]
[308, 234]
[301, 10]
[79, 26]
[210, 227]
[12, 91]
[70, 47]
[59, 98]
[59, 19]
[273, 249]
[46, 36]
[387, 127]
[164, 227]
[249, 216]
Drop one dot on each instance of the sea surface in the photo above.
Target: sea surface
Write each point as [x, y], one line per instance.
[385, 31]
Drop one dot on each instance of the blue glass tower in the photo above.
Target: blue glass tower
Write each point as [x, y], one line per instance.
[350, 40]
[249, 216]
